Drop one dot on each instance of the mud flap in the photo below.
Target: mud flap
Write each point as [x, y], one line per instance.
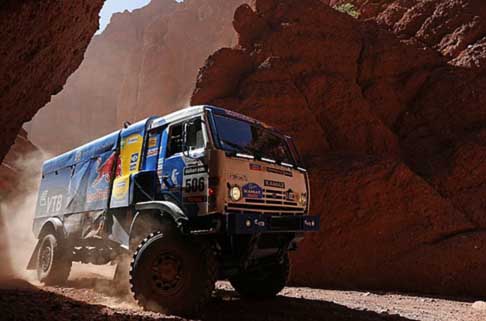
[33, 259]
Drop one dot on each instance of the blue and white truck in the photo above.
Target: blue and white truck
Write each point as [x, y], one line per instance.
[192, 197]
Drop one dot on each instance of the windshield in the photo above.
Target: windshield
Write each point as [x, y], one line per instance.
[243, 137]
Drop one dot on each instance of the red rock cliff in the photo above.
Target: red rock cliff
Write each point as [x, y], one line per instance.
[42, 44]
[456, 29]
[393, 135]
[145, 63]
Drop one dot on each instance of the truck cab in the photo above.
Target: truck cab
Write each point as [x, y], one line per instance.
[198, 195]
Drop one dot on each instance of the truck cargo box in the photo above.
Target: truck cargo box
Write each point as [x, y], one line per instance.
[79, 180]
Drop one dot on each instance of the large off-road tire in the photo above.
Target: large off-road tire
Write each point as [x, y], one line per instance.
[54, 261]
[173, 273]
[151, 223]
[263, 283]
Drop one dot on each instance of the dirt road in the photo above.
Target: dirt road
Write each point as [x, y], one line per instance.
[93, 296]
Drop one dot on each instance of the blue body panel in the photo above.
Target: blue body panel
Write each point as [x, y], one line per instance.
[79, 180]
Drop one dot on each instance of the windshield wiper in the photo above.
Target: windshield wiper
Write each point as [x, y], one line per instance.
[238, 148]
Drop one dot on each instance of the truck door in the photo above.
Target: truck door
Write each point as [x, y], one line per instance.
[173, 163]
[184, 171]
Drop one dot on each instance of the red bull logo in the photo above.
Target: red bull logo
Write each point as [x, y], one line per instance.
[104, 170]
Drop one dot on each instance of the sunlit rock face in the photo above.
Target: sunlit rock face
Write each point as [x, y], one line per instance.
[145, 63]
[42, 43]
[456, 29]
[393, 135]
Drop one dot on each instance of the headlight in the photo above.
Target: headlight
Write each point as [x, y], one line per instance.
[303, 199]
[235, 193]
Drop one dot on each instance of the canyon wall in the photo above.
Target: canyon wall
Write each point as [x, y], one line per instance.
[456, 29]
[393, 134]
[42, 44]
[9, 170]
[145, 63]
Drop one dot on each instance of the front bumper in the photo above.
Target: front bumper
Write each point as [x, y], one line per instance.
[240, 223]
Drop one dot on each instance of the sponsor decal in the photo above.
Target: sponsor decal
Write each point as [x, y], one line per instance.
[104, 171]
[43, 198]
[121, 184]
[133, 161]
[152, 142]
[174, 175]
[259, 223]
[152, 152]
[279, 171]
[309, 223]
[132, 139]
[255, 167]
[238, 177]
[290, 195]
[271, 183]
[54, 204]
[252, 190]
[97, 196]
[160, 167]
[120, 189]
[195, 170]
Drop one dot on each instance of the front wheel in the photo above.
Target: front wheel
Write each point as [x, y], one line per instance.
[266, 282]
[53, 261]
[173, 274]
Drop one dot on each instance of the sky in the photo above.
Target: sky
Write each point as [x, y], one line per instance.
[113, 6]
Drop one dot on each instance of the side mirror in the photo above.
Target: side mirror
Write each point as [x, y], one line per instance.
[188, 139]
[185, 149]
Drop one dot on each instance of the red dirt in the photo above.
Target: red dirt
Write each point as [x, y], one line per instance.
[89, 296]
[393, 137]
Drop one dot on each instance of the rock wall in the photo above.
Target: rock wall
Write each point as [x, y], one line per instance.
[42, 44]
[456, 29]
[393, 135]
[145, 63]
[9, 169]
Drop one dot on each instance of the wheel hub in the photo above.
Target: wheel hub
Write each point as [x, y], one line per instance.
[45, 259]
[167, 272]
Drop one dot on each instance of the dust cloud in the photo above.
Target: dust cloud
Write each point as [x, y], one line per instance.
[17, 243]
[17, 212]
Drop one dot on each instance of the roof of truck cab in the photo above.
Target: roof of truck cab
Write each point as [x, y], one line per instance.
[110, 141]
[195, 110]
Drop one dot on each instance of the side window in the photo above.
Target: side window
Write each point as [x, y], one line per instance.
[195, 136]
[175, 140]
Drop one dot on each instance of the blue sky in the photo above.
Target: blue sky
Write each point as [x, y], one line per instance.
[113, 6]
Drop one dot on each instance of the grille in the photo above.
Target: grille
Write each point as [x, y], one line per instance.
[273, 202]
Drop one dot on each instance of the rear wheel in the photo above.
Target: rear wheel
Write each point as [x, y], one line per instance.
[172, 273]
[53, 261]
[263, 283]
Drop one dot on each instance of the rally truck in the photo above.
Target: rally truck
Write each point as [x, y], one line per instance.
[193, 197]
